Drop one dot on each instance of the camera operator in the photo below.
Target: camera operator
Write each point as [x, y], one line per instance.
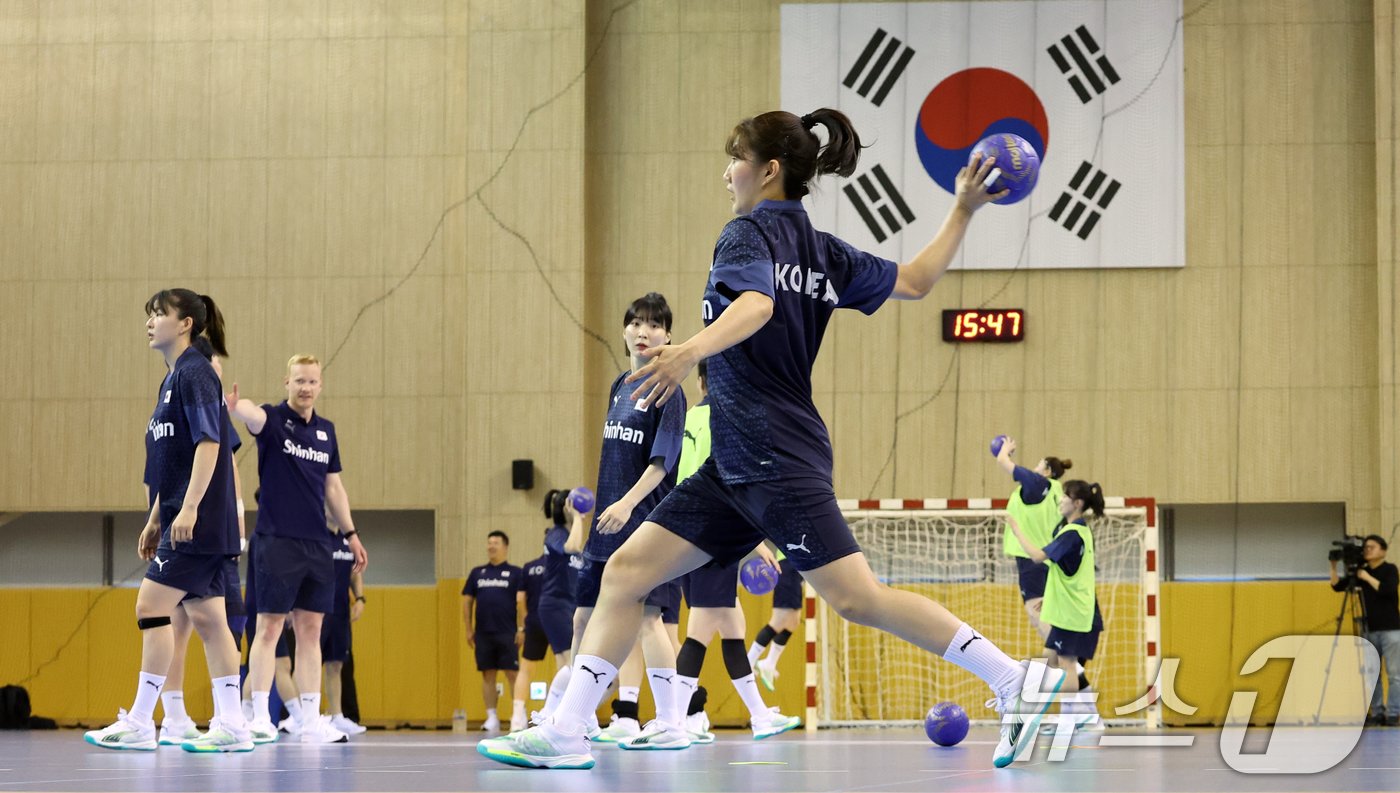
[1378, 581]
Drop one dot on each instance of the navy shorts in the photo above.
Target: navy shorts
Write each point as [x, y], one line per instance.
[726, 521]
[536, 643]
[496, 651]
[666, 597]
[712, 586]
[293, 573]
[335, 637]
[233, 591]
[788, 593]
[557, 625]
[1073, 644]
[198, 575]
[1032, 577]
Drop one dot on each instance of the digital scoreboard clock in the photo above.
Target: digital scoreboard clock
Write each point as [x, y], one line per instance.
[984, 324]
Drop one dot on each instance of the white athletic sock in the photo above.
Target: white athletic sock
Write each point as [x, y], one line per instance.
[260, 711]
[663, 692]
[748, 692]
[685, 690]
[775, 651]
[519, 709]
[310, 709]
[174, 704]
[557, 687]
[976, 653]
[586, 687]
[228, 700]
[755, 650]
[629, 693]
[294, 709]
[147, 695]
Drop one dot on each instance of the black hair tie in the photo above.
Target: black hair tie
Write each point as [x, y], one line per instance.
[808, 122]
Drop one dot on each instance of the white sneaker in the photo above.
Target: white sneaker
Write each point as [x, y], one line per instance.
[345, 725]
[290, 726]
[492, 724]
[125, 733]
[658, 735]
[775, 724]
[767, 673]
[541, 746]
[1021, 719]
[698, 725]
[174, 732]
[221, 737]
[263, 731]
[321, 731]
[619, 730]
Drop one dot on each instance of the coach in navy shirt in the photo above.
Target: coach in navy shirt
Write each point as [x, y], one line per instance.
[299, 474]
[493, 606]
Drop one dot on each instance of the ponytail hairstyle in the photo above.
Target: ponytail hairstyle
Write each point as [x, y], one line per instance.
[792, 141]
[199, 309]
[1090, 494]
[1058, 466]
[554, 502]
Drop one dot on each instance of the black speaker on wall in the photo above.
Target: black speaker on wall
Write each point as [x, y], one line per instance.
[522, 474]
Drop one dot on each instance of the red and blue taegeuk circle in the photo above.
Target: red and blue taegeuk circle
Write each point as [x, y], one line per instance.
[968, 106]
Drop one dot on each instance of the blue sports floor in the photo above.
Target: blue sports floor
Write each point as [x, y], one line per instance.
[829, 760]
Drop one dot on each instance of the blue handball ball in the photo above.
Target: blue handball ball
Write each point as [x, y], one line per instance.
[946, 724]
[997, 443]
[1018, 161]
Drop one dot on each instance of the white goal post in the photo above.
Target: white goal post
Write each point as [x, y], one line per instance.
[951, 550]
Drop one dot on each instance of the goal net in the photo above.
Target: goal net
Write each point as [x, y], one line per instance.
[951, 551]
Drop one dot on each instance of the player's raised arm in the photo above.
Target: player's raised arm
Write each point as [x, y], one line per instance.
[246, 411]
[918, 275]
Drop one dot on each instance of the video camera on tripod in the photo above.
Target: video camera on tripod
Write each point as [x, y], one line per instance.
[1350, 551]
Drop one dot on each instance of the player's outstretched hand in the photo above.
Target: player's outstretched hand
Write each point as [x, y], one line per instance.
[231, 400]
[766, 554]
[972, 184]
[670, 364]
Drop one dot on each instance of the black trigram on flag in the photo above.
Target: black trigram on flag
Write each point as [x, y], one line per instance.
[1100, 186]
[881, 67]
[876, 191]
[1099, 79]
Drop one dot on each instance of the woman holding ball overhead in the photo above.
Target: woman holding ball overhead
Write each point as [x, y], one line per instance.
[1035, 504]
[770, 470]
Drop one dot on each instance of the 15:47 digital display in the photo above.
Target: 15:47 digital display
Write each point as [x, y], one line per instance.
[984, 324]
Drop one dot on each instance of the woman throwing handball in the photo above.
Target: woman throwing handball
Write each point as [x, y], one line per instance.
[774, 283]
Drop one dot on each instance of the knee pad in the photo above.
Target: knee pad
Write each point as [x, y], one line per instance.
[146, 623]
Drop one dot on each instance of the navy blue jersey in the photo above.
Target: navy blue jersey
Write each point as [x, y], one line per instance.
[561, 567]
[149, 477]
[763, 424]
[1034, 487]
[494, 587]
[1067, 549]
[189, 410]
[294, 458]
[634, 438]
[344, 565]
[534, 584]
